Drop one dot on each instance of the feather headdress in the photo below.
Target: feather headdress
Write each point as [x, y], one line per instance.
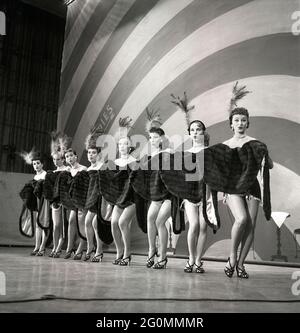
[63, 143]
[124, 127]
[31, 156]
[237, 94]
[153, 119]
[183, 105]
[91, 139]
[54, 145]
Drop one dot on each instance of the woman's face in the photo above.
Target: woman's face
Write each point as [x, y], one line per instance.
[71, 158]
[57, 160]
[239, 123]
[37, 165]
[124, 146]
[93, 155]
[155, 140]
[196, 132]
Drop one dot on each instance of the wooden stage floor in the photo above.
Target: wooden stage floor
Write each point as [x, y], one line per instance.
[78, 286]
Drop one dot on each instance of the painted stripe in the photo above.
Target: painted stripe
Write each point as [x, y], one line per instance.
[188, 20]
[119, 37]
[78, 22]
[227, 65]
[269, 55]
[271, 96]
[180, 26]
[96, 46]
[250, 19]
[73, 11]
[159, 15]
[83, 42]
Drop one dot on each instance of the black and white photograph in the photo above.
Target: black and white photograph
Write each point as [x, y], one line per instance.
[150, 160]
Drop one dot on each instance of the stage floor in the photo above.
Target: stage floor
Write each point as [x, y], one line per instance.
[43, 284]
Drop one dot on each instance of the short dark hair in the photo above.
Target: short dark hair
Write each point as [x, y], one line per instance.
[198, 122]
[95, 148]
[241, 111]
[70, 150]
[206, 135]
[37, 156]
[157, 130]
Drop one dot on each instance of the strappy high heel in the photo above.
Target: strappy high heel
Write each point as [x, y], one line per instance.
[88, 256]
[125, 261]
[150, 260]
[57, 254]
[34, 252]
[188, 268]
[78, 256]
[41, 253]
[51, 254]
[97, 258]
[68, 254]
[199, 268]
[118, 260]
[229, 270]
[161, 264]
[241, 272]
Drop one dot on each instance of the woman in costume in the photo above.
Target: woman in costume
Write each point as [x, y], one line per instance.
[34, 158]
[186, 183]
[232, 167]
[147, 183]
[116, 190]
[93, 197]
[66, 180]
[56, 207]
[197, 232]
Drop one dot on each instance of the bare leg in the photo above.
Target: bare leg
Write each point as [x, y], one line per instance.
[151, 226]
[81, 225]
[71, 230]
[116, 232]
[124, 225]
[99, 249]
[193, 232]
[202, 237]
[238, 209]
[163, 215]
[249, 230]
[89, 232]
[61, 235]
[38, 237]
[44, 241]
[57, 228]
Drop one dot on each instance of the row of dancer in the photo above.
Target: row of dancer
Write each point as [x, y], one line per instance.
[133, 187]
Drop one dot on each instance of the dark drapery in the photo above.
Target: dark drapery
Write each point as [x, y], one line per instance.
[30, 64]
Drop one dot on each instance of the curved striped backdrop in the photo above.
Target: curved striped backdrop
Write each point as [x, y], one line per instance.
[121, 56]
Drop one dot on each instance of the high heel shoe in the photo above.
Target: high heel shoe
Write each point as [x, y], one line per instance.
[188, 268]
[57, 254]
[118, 260]
[161, 264]
[78, 256]
[34, 252]
[68, 254]
[125, 261]
[41, 253]
[51, 254]
[199, 268]
[241, 272]
[150, 260]
[88, 256]
[97, 258]
[229, 270]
